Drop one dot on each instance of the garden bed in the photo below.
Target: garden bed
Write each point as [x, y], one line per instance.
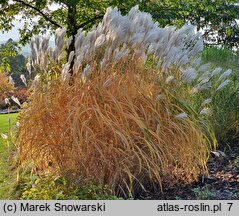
[222, 183]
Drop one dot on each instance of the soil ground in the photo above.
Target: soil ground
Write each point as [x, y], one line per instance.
[222, 183]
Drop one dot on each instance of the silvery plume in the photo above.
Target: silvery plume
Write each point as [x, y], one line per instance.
[23, 78]
[189, 75]
[7, 101]
[181, 115]
[36, 81]
[160, 97]
[207, 101]
[205, 76]
[65, 75]
[86, 73]
[225, 74]
[29, 65]
[119, 37]
[204, 67]
[205, 111]
[39, 53]
[11, 81]
[216, 71]
[59, 42]
[16, 101]
[18, 124]
[4, 136]
[223, 84]
[169, 79]
[134, 35]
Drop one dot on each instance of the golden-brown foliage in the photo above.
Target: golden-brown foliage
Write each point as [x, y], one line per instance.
[113, 129]
[5, 86]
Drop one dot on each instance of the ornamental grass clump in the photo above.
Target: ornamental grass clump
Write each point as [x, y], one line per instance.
[114, 131]
[123, 115]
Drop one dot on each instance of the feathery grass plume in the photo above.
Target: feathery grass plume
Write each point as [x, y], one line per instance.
[15, 99]
[216, 71]
[141, 38]
[33, 58]
[197, 62]
[203, 67]
[4, 136]
[189, 75]
[205, 85]
[29, 65]
[207, 101]
[205, 111]
[205, 76]
[69, 41]
[23, 78]
[169, 79]
[100, 41]
[11, 81]
[39, 53]
[181, 115]
[225, 74]
[7, 101]
[59, 42]
[36, 81]
[223, 84]
[18, 124]
[71, 56]
[124, 38]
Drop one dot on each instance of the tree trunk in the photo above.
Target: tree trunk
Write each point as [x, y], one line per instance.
[71, 29]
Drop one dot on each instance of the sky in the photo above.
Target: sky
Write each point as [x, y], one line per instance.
[13, 33]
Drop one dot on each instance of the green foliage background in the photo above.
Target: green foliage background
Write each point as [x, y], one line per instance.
[213, 16]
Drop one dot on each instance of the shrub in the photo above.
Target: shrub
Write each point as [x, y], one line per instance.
[22, 95]
[6, 88]
[225, 103]
[2, 102]
[5, 85]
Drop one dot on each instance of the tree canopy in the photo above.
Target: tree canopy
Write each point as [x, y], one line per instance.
[216, 17]
[7, 51]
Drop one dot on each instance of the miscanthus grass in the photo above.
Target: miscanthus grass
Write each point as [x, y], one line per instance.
[135, 116]
[113, 130]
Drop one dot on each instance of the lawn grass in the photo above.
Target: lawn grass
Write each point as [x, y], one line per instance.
[6, 173]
